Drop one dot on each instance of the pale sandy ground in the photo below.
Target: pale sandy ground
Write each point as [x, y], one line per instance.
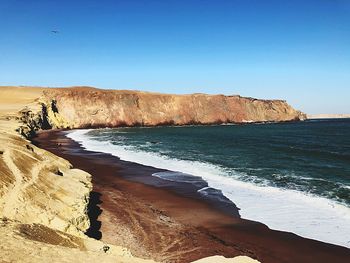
[37, 243]
[328, 116]
[221, 259]
[42, 213]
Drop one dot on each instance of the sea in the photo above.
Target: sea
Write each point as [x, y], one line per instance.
[292, 177]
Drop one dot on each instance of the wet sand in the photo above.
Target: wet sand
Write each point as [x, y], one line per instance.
[171, 222]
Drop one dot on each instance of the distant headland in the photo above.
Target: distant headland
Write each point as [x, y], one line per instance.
[328, 116]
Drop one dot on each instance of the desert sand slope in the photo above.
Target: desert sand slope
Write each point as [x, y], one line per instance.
[43, 200]
[38, 243]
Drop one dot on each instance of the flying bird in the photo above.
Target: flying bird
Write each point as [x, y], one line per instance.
[55, 31]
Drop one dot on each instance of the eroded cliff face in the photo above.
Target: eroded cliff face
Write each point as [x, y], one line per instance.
[35, 185]
[88, 107]
[39, 187]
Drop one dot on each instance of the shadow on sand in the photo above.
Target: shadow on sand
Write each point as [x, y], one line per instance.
[93, 212]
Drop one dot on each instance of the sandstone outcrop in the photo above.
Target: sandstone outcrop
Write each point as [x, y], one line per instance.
[39, 187]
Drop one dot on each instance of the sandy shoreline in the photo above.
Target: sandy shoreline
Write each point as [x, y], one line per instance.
[166, 223]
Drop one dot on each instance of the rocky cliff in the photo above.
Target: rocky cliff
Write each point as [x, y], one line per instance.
[89, 107]
[39, 187]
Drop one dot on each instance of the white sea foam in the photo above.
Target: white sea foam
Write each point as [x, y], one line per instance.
[288, 210]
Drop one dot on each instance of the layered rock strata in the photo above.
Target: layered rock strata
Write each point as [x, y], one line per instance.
[88, 107]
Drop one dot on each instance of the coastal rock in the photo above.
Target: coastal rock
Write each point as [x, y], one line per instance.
[31, 191]
[89, 107]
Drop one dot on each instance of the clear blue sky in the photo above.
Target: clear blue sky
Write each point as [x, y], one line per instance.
[293, 50]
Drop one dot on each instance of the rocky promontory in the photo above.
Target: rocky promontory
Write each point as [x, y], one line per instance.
[88, 107]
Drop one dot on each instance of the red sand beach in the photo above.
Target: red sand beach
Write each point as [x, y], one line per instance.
[169, 221]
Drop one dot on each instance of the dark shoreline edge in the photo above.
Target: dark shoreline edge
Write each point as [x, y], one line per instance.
[220, 233]
[172, 124]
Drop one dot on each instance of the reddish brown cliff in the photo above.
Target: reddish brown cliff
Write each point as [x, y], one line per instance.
[89, 107]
